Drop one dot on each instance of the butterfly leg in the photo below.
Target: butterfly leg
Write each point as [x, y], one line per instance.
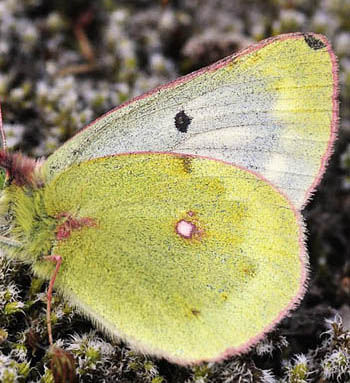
[62, 362]
[58, 260]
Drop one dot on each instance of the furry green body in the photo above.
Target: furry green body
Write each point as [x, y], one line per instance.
[23, 213]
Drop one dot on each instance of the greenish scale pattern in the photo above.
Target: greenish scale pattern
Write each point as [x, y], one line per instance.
[186, 298]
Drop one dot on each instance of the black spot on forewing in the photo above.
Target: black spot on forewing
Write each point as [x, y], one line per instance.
[182, 121]
[313, 43]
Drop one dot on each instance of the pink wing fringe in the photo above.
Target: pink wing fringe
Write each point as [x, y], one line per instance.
[334, 122]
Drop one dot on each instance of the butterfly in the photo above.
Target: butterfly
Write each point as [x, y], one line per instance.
[174, 221]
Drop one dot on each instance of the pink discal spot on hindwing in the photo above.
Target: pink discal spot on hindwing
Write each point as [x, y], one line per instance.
[188, 228]
[185, 229]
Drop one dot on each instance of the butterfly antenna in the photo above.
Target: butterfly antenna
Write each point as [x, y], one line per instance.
[2, 132]
[58, 260]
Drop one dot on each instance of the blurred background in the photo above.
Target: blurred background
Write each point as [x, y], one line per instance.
[64, 63]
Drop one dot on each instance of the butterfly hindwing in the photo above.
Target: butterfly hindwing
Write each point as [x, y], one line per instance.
[177, 255]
